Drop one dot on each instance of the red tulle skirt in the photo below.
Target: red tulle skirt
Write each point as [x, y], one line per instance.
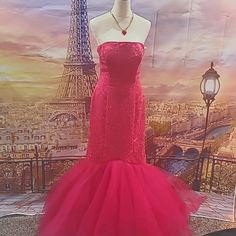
[118, 198]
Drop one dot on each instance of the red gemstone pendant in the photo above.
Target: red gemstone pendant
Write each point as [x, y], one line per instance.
[124, 32]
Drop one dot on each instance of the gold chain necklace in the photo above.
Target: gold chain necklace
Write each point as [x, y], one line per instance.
[123, 31]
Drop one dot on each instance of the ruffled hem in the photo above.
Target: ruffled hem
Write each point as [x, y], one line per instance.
[118, 198]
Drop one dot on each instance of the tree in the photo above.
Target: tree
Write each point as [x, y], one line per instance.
[233, 125]
[160, 129]
[218, 142]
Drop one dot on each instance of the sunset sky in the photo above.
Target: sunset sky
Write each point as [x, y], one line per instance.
[189, 34]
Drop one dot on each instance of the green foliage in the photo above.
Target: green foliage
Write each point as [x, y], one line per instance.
[233, 125]
[218, 142]
[160, 129]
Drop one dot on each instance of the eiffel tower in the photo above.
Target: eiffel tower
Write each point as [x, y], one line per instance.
[72, 99]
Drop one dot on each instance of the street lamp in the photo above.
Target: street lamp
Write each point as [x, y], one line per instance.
[209, 87]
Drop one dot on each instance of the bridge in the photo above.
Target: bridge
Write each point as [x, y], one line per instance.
[185, 146]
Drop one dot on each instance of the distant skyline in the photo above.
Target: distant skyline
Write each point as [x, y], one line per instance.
[189, 34]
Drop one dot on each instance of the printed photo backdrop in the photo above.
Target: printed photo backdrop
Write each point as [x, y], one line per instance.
[185, 37]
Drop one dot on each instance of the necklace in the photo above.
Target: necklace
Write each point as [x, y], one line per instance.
[123, 31]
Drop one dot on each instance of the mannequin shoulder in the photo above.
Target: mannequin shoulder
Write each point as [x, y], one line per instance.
[96, 21]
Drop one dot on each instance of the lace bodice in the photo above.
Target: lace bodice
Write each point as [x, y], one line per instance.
[117, 107]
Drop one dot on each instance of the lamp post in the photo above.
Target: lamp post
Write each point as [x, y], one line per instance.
[209, 87]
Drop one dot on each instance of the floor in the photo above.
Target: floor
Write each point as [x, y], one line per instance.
[219, 207]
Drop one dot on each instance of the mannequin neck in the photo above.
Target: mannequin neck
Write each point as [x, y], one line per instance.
[122, 9]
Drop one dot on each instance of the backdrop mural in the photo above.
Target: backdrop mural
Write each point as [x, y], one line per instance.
[49, 67]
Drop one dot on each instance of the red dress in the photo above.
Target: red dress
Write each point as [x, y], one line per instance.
[114, 192]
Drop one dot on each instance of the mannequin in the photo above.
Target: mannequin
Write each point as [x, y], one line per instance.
[112, 192]
[104, 27]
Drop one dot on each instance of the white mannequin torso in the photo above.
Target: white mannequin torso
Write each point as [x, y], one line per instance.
[104, 27]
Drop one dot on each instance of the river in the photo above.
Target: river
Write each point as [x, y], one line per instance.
[218, 131]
